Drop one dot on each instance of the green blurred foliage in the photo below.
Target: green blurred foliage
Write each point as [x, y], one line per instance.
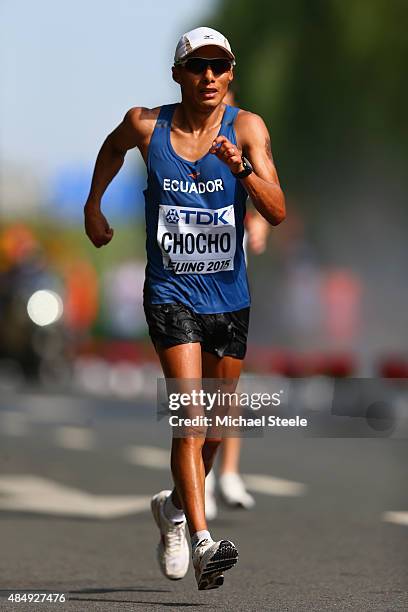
[63, 243]
[328, 77]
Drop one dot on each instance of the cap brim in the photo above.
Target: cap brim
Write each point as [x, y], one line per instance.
[230, 54]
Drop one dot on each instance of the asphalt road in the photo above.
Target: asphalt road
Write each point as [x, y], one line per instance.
[76, 475]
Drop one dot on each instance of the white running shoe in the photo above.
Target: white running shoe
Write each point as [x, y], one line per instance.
[233, 491]
[173, 551]
[210, 501]
[211, 560]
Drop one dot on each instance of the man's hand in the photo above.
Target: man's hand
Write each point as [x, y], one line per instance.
[227, 153]
[97, 227]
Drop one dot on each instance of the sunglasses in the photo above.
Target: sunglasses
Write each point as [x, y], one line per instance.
[198, 65]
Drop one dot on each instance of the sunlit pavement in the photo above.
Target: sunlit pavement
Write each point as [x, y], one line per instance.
[329, 531]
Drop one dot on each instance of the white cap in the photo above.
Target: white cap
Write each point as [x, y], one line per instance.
[201, 37]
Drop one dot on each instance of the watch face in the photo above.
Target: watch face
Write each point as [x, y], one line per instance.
[246, 164]
[247, 169]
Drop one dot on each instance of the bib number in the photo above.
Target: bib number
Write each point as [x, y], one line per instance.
[197, 240]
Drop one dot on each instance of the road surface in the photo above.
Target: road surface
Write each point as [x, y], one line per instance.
[329, 531]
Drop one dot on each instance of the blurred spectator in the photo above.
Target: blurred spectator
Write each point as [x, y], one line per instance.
[81, 296]
[123, 299]
[342, 293]
[25, 346]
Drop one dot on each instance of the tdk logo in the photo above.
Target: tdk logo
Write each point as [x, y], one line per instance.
[172, 216]
[197, 217]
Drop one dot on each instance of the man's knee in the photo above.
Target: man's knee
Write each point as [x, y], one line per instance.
[194, 441]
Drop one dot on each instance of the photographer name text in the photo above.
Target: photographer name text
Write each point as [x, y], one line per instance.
[238, 421]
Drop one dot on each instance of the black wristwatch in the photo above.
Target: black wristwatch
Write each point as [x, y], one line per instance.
[246, 171]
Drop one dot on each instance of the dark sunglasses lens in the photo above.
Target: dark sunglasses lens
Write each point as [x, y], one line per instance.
[197, 65]
[219, 66]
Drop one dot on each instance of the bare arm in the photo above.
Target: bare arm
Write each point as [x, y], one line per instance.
[263, 184]
[111, 156]
[129, 134]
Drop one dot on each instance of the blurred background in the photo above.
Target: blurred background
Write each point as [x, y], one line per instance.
[328, 78]
[80, 437]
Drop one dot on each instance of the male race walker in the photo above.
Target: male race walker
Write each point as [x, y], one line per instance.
[203, 159]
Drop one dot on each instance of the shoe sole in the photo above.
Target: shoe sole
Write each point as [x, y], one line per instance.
[224, 558]
[238, 505]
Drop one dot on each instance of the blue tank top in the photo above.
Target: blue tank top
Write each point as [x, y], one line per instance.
[194, 225]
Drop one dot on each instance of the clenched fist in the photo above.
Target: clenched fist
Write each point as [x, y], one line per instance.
[228, 153]
[97, 227]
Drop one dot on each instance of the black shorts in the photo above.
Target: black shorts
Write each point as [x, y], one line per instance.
[221, 334]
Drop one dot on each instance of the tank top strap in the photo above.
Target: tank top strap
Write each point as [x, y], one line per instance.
[166, 114]
[227, 124]
[163, 122]
[159, 137]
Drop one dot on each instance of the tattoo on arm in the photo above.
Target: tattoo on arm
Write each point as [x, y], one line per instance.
[268, 149]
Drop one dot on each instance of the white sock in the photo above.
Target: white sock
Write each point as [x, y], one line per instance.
[171, 512]
[198, 536]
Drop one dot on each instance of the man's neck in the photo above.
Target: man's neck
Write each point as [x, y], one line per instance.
[198, 121]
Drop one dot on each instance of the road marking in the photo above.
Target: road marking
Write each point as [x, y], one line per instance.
[75, 438]
[399, 518]
[52, 408]
[148, 456]
[270, 485]
[13, 424]
[27, 493]
[159, 459]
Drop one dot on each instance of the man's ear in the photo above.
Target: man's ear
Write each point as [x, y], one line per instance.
[175, 74]
[231, 76]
